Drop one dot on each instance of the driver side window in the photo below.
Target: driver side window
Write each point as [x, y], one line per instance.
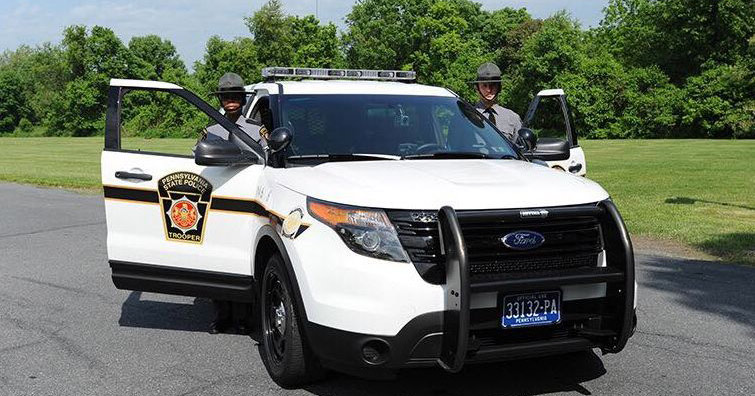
[160, 122]
[549, 120]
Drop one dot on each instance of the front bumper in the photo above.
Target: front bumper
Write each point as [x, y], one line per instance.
[460, 334]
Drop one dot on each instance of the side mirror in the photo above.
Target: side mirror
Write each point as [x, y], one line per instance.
[528, 139]
[279, 139]
[219, 152]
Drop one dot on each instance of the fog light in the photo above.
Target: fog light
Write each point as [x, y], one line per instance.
[370, 240]
[375, 352]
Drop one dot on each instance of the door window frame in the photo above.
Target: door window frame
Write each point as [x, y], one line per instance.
[113, 120]
[571, 134]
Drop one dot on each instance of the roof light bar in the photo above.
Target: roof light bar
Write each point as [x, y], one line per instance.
[357, 74]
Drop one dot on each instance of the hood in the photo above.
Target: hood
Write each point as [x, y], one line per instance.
[432, 184]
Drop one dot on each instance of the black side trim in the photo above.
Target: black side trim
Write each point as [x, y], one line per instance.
[142, 152]
[532, 349]
[131, 194]
[418, 344]
[238, 205]
[342, 350]
[182, 282]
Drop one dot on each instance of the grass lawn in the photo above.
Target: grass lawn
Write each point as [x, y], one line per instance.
[697, 192]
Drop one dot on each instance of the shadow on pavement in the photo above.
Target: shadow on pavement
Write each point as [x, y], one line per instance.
[136, 312]
[715, 288]
[525, 377]
[737, 246]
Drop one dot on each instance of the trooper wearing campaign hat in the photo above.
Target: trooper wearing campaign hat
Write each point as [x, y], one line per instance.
[232, 96]
[488, 85]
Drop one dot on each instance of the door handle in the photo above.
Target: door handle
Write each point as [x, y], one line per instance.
[130, 175]
[575, 168]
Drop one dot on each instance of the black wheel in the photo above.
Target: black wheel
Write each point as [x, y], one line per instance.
[283, 349]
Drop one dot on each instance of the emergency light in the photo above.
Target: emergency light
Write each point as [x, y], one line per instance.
[355, 74]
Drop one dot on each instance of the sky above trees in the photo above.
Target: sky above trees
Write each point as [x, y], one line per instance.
[189, 23]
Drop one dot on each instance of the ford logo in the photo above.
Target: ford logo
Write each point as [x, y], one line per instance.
[523, 240]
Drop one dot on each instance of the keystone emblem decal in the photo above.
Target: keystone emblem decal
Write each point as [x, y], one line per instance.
[184, 199]
[523, 240]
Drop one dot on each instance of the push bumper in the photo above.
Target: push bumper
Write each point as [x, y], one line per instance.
[460, 335]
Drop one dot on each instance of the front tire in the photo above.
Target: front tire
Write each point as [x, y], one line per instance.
[283, 349]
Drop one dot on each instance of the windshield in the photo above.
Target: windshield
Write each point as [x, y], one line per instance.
[393, 125]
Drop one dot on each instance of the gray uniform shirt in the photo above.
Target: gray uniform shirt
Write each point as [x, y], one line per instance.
[252, 130]
[218, 132]
[504, 119]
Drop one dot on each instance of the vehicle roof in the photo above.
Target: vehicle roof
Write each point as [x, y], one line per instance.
[355, 87]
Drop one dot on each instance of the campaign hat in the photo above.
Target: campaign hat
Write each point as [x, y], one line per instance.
[488, 72]
[230, 83]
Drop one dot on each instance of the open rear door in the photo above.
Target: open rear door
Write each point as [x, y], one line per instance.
[550, 118]
[174, 226]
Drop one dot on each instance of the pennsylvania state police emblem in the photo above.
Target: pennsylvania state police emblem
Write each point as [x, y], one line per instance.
[184, 199]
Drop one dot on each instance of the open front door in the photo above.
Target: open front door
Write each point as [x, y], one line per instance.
[174, 226]
[550, 118]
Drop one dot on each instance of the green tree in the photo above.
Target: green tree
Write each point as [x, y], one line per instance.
[720, 102]
[93, 58]
[12, 105]
[42, 74]
[284, 40]
[678, 35]
[271, 30]
[156, 57]
[222, 56]
[379, 33]
[556, 48]
[314, 45]
[449, 48]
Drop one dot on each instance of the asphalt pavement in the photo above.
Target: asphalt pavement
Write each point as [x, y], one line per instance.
[66, 330]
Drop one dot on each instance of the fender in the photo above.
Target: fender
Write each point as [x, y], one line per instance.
[269, 231]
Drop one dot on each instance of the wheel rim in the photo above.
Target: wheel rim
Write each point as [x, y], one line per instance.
[276, 318]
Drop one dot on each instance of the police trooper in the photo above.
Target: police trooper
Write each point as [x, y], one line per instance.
[232, 96]
[488, 85]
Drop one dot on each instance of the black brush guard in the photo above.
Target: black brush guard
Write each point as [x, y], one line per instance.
[618, 274]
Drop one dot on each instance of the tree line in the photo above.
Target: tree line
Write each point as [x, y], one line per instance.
[651, 69]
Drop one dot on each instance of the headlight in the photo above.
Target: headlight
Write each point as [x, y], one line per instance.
[368, 232]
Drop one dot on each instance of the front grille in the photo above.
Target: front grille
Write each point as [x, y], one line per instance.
[418, 233]
[571, 242]
[533, 264]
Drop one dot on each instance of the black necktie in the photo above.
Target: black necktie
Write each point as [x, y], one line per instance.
[491, 117]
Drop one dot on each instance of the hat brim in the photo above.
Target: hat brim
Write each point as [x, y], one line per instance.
[230, 91]
[485, 81]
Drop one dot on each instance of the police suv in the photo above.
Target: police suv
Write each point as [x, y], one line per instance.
[383, 225]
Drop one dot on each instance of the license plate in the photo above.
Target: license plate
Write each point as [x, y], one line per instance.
[532, 309]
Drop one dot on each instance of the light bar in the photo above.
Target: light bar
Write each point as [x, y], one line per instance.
[355, 74]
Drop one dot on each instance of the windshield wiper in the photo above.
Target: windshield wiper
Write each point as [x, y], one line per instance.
[342, 157]
[457, 155]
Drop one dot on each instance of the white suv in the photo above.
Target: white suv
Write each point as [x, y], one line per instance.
[385, 225]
